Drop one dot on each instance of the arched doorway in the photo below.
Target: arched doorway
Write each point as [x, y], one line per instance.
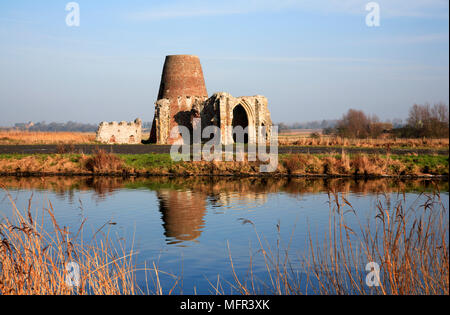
[240, 118]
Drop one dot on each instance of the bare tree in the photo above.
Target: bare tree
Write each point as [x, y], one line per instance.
[427, 121]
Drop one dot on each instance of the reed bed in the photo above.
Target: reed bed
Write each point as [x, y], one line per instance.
[290, 139]
[365, 165]
[409, 245]
[325, 141]
[38, 260]
[101, 162]
[38, 137]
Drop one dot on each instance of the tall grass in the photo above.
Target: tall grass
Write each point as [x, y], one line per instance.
[409, 244]
[388, 143]
[298, 139]
[363, 165]
[35, 260]
[38, 137]
[104, 162]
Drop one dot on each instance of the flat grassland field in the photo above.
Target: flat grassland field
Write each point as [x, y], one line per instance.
[37, 137]
[304, 137]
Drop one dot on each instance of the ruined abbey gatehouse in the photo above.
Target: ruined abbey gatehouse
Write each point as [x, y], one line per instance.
[183, 97]
[184, 102]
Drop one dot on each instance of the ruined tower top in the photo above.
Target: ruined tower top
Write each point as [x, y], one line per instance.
[182, 76]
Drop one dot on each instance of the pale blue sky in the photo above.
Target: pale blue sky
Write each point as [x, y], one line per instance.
[313, 59]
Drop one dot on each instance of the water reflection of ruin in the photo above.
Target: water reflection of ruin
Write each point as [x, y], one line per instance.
[183, 211]
[220, 188]
[182, 214]
[183, 201]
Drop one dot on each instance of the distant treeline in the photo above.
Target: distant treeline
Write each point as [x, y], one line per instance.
[424, 121]
[324, 124]
[69, 126]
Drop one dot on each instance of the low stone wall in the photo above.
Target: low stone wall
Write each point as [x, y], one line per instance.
[120, 133]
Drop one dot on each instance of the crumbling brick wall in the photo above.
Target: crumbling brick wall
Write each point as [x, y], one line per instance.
[182, 85]
[120, 133]
[183, 97]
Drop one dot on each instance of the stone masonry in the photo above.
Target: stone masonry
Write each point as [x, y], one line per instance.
[120, 133]
[182, 85]
[183, 97]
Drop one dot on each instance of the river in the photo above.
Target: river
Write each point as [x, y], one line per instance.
[189, 227]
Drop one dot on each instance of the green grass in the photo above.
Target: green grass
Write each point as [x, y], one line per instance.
[13, 156]
[429, 164]
[155, 163]
[144, 161]
[423, 160]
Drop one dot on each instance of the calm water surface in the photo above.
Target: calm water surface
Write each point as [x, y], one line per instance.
[185, 224]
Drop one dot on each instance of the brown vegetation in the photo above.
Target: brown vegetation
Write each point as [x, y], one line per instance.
[382, 143]
[38, 137]
[99, 162]
[33, 260]
[427, 121]
[358, 165]
[424, 121]
[67, 140]
[293, 164]
[103, 162]
[356, 124]
[409, 244]
[42, 164]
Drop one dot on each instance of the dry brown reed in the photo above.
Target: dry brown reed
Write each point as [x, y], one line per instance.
[104, 162]
[359, 164]
[325, 141]
[38, 137]
[35, 260]
[409, 244]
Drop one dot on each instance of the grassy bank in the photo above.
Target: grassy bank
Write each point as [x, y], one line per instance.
[288, 165]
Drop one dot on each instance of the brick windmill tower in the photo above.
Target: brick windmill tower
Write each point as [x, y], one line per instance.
[182, 86]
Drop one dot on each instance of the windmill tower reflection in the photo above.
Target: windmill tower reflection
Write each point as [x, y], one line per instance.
[182, 214]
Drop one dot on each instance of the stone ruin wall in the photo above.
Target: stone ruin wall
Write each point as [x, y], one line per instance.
[183, 97]
[218, 110]
[255, 109]
[120, 133]
[182, 85]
